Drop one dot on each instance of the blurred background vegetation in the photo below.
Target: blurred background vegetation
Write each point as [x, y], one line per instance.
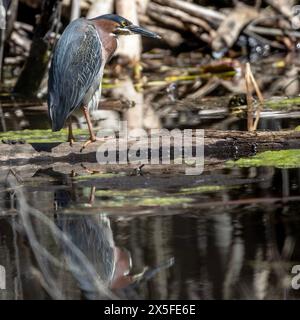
[203, 51]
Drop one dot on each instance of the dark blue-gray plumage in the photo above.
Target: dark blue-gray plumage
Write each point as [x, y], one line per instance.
[75, 74]
[77, 66]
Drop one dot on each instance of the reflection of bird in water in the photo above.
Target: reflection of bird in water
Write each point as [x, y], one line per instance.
[92, 235]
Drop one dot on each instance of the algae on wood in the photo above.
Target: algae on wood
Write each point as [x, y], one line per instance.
[284, 159]
[43, 146]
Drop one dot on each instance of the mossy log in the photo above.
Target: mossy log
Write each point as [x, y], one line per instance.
[44, 147]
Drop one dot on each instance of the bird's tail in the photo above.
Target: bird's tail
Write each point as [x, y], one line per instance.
[57, 120]
[57, 127]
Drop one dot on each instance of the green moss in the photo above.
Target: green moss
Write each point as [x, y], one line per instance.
[137, 198]
[38, 136]
[278, 159]
[282, 103]
[146, 202]
[164, 201]
[222, 75]
[202, 189]
[124, 193]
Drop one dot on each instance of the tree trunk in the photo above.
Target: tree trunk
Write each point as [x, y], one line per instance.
[75, 10]
[37, 63]
[129, 46]
[100, 7]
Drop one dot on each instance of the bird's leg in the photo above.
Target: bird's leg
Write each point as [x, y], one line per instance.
[90, 127]
[71, 137]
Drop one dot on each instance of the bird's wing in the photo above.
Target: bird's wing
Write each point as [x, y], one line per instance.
[75, 65]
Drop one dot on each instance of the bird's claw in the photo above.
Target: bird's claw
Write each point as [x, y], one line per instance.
[71, 142]
[91, 140]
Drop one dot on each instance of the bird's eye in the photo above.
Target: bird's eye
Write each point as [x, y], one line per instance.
[124, 24]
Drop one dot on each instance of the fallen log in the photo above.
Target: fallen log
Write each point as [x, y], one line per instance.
[217, 144]
[109, 104]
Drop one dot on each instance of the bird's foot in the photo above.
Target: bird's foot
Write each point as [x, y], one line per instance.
[91, 140]
[71, 140]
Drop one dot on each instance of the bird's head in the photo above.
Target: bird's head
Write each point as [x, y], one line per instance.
[122, 26]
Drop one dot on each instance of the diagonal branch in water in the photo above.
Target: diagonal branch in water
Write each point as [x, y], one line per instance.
[25, 211]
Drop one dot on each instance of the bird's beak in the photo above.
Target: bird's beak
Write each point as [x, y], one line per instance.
[143, 32]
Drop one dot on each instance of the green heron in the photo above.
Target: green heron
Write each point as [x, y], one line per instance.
[77, 67]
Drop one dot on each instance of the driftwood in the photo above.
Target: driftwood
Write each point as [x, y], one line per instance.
[194, 10]
[283, 6]
[231, 27]
[218, 144]
[221, 29]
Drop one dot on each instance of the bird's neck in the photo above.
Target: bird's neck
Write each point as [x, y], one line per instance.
[108, 39]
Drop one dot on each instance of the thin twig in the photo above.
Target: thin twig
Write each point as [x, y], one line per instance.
[251, 83]
[261, 101]
[249, 97]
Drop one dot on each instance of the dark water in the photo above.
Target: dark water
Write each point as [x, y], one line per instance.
[62, 237]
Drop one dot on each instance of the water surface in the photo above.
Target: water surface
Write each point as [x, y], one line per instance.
[227, 234]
